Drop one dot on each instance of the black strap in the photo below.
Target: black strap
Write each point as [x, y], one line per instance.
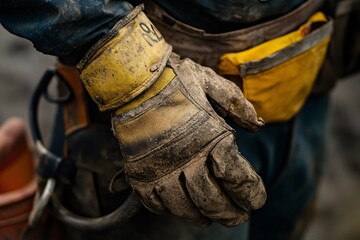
[50, 165]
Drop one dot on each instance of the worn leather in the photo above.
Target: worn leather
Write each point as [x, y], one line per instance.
[180, 155]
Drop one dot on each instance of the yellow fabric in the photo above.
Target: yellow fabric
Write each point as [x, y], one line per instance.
[279, 93]
[126, 65]
[165, 78]
[230, 62]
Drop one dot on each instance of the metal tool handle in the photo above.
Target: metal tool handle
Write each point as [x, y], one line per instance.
[119, 216]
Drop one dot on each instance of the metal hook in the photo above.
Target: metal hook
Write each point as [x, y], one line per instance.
[49, 164]
[41, 199]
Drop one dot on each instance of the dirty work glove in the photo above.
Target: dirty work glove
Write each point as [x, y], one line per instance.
[180, 155]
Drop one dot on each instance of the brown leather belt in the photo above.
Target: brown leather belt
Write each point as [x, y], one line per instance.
[205, 48]
[75, 113]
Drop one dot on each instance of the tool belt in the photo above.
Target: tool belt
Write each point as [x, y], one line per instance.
[275, 63]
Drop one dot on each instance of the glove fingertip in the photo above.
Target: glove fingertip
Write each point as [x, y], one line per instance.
[258, 196]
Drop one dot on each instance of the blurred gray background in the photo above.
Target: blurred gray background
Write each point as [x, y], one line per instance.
[338, 207]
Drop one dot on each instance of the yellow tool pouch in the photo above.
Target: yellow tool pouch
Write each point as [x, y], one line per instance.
[278, 75]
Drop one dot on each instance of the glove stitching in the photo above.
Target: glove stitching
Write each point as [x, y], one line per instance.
[173, 140]
[184, 164]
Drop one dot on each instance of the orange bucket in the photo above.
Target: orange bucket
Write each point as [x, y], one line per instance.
[17, 179]
[15, 207]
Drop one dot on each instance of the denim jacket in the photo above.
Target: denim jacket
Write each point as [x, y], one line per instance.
[62, 27]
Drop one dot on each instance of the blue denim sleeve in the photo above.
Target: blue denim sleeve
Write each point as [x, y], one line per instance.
[61, 27]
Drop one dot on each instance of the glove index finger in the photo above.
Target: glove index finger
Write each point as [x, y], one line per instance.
[228, 99]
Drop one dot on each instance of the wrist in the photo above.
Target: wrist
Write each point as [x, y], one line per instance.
[125, 62]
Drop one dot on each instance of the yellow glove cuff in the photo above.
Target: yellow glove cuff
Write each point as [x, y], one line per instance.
[164, 79]
[125, 62]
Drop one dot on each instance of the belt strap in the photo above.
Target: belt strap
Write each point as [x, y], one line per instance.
[75, 112]
[206, 48]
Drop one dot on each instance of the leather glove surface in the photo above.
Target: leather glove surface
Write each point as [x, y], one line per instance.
[182, 157]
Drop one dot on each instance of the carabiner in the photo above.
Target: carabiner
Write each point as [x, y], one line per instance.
[48, 160]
